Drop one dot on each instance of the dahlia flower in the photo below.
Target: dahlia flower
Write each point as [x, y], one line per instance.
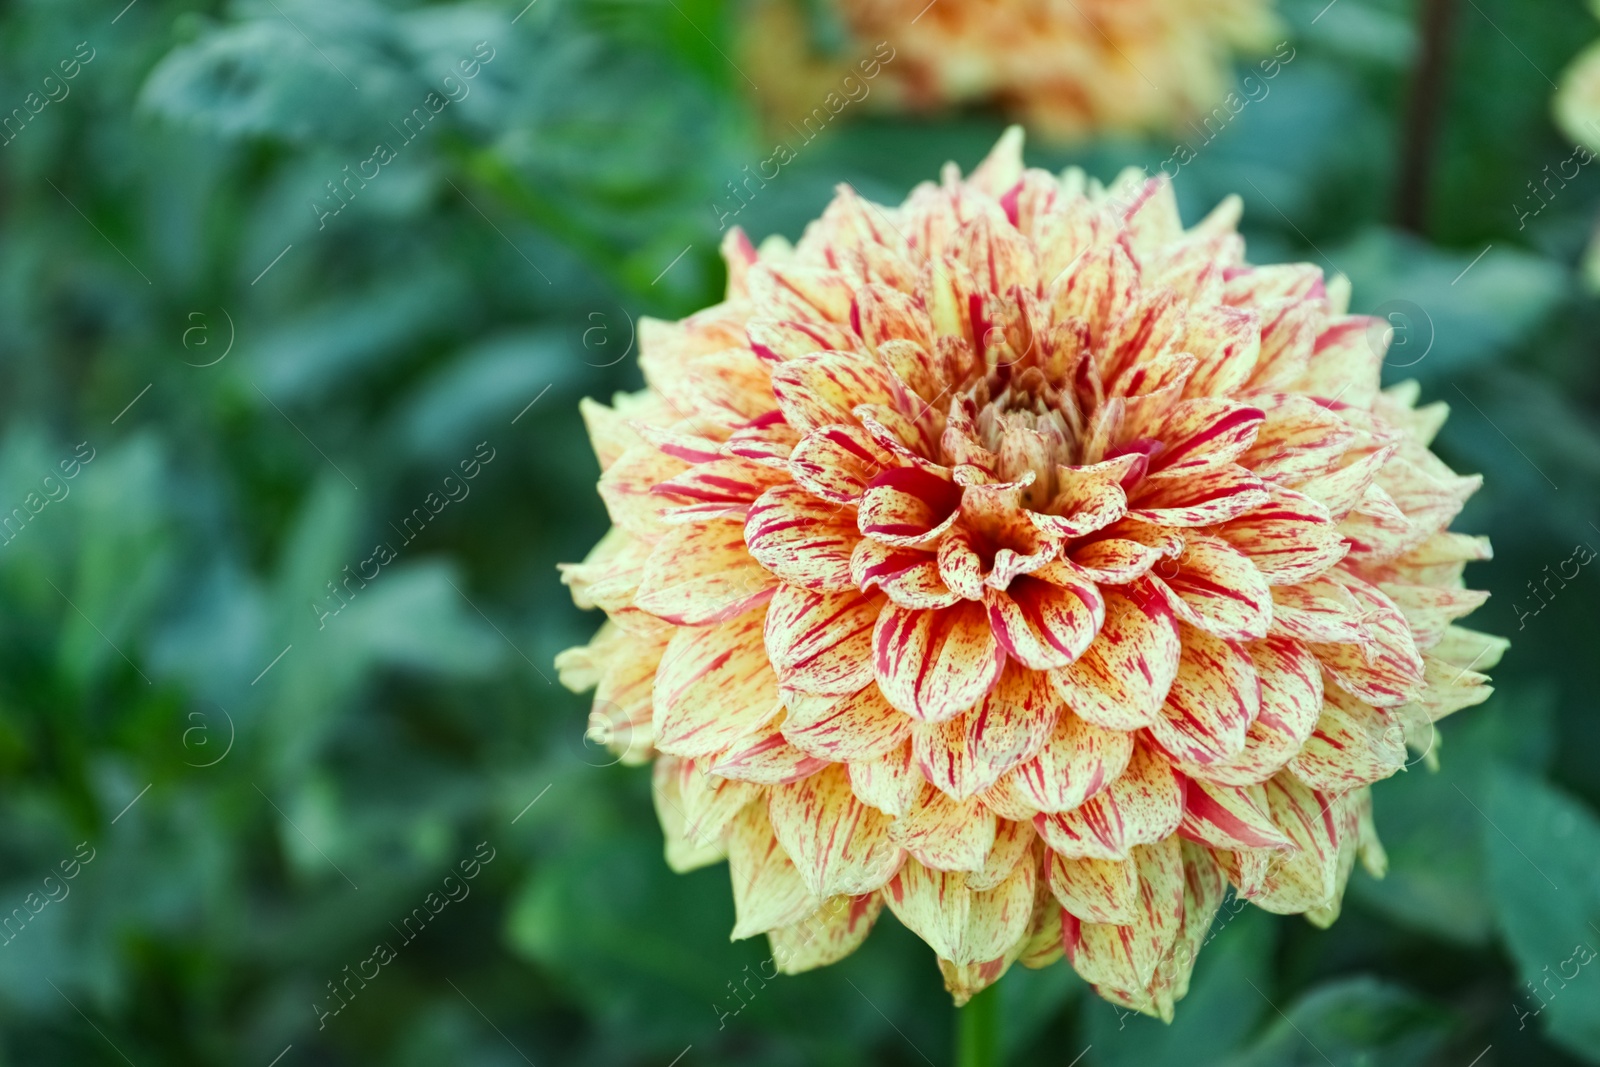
[1068, 67]
[1028, 564]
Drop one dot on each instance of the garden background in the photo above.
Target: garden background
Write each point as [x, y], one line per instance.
[255, 382]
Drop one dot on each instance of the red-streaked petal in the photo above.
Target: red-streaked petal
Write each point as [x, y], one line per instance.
[861, 726]
[966, 755]
[933, 665]
[822, 642]
[1291, 703]
[1231, 817]
[908, 506]
[944, 833]
[1123, 677]
[1290, 539]
[1212, 702]
[1144, 804]
[823, 389]
[1218, 589]
[802, 540]
[714, 685]
[1096, 891]
[838, 844]
[837, 462]
[768, 891]
[1044, 625]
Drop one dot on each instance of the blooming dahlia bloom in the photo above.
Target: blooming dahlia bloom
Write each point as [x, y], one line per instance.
[1024, 562]
[1068, 66]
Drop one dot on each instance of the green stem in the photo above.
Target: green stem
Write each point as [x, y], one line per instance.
[978, 1030]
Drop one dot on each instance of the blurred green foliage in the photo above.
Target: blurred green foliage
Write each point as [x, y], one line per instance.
[272, 763]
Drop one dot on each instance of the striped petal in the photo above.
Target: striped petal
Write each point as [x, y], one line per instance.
[1144, 804]
[933, 665]
[838, 844]
[908, 506]
[701, 574]
[1217, 589]
[714, 685]
[1354, 744]
[945, 833]
[860, 726]
[827, 935]
[1213, 700]
[1121, 680]
[1077, 762]
[960, 924]
[1096, 891]
[768, 891]
[802, 540]
[890, 782]
[1042, 624]
[1126, 957]
[908, 576]
[1232, 817]
[822, 642]
[823, 389]
[1205, 498]
[1386, 669]
[765, 756]
[837, 462]
[966, 755]
[1291, 704]
[1290, 539]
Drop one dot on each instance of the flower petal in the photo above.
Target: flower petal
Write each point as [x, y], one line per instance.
[860, 726]
[714, 686]
[1217, 589]
[827, 935]
[1043, 624]
[1077, 762]
[1213, 700]
[839, 845]
[948, 834]
[1143, 804]
[803, 540]
[823, 389]
[1122, 679]
[966, 755]
[933, 665]
[960, 924]
[1096, 891]
[768, 891]
[701, 574]
[822, 642]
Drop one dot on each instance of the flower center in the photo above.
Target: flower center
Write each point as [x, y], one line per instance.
[1030, 427]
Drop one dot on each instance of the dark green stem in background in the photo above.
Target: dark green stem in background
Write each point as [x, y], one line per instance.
[1420, 133]
[978, 1030]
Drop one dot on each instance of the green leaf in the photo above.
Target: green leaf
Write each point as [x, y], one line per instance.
[1355, 1022]
[1543, 846]
[1449, 310]
[1437, 880]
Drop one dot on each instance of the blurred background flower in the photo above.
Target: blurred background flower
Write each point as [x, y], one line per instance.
[264, 562]
[1068, 67]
